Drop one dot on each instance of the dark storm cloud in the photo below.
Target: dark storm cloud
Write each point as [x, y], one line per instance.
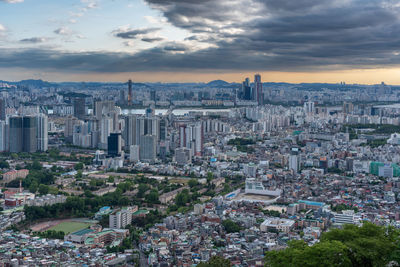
[134, 33]
[247, 35]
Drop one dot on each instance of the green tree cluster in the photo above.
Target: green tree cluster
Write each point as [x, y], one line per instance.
[230, 226]
[52, 234]
[366, 246]
[76, 206]
[4, 164]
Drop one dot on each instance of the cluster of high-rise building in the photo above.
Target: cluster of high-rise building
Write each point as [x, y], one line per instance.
[24, 133]
[294, 165]
[253, 92]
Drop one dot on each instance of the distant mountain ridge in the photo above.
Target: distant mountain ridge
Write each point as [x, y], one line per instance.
[218, 83]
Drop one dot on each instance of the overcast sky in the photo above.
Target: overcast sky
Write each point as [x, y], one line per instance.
[200, 40]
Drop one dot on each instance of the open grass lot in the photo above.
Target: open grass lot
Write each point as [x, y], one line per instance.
[69, 227]
[179, 181]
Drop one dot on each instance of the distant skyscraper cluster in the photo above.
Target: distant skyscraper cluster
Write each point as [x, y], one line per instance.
[253, 92]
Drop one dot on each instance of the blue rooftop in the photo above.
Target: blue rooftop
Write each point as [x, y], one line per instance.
[312, 203]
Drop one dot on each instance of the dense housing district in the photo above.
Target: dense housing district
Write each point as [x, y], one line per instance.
[134, 174]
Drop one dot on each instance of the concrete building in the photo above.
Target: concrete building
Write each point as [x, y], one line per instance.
[256, 187]
[119, 219]
[3, 136]
[134, 154]
[147, 151]
[79, 107]
[114, 144]
[2, 109]
[15, 174]
[23, 134]
[183, 156]
[42, 132]
[346, 217]
[258, 90]
[283, 225]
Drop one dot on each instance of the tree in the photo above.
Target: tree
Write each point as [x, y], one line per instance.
[330, 254]
[192, 183]
[111, 179]
[79, 166]
[142, 188]
[182, 198]
[152, 197]
[230, 226]
[79, 174]
[210, 177]
[33, 187]
[4, 164]
[216, 261]
[36, 165]
[43, 189]
[369, 245]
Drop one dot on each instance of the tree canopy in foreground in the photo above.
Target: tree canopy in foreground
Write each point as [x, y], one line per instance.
[367, 246]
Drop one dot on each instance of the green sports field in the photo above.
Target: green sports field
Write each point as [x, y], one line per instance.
[69, 227]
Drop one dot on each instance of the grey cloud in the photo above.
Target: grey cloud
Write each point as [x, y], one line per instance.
[134, 33]
[34, 40]
[175, 47]
[152, 40]
[247, 35]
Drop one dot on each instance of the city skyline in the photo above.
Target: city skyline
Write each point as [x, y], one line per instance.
[184, 41]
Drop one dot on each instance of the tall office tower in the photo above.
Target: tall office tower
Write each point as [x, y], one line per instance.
[98, 109]
[105, 130]
[153, 95]
[114, 144]
[147, 150]
[182, 136]
[149, 126]
[2, 110]
[3, 139]
[16, 134]
[122, 96]
[258, 90]
[42, 132]
[309, 107]
[163, 129]
[79, 107]
[134, 153]
[198, 137]
[294, 163]
[69, 126]
[29, 125]
[129, 132]
[103, 108]
[155, 127]
[348, 107]
[246, 89]
[130, 92]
